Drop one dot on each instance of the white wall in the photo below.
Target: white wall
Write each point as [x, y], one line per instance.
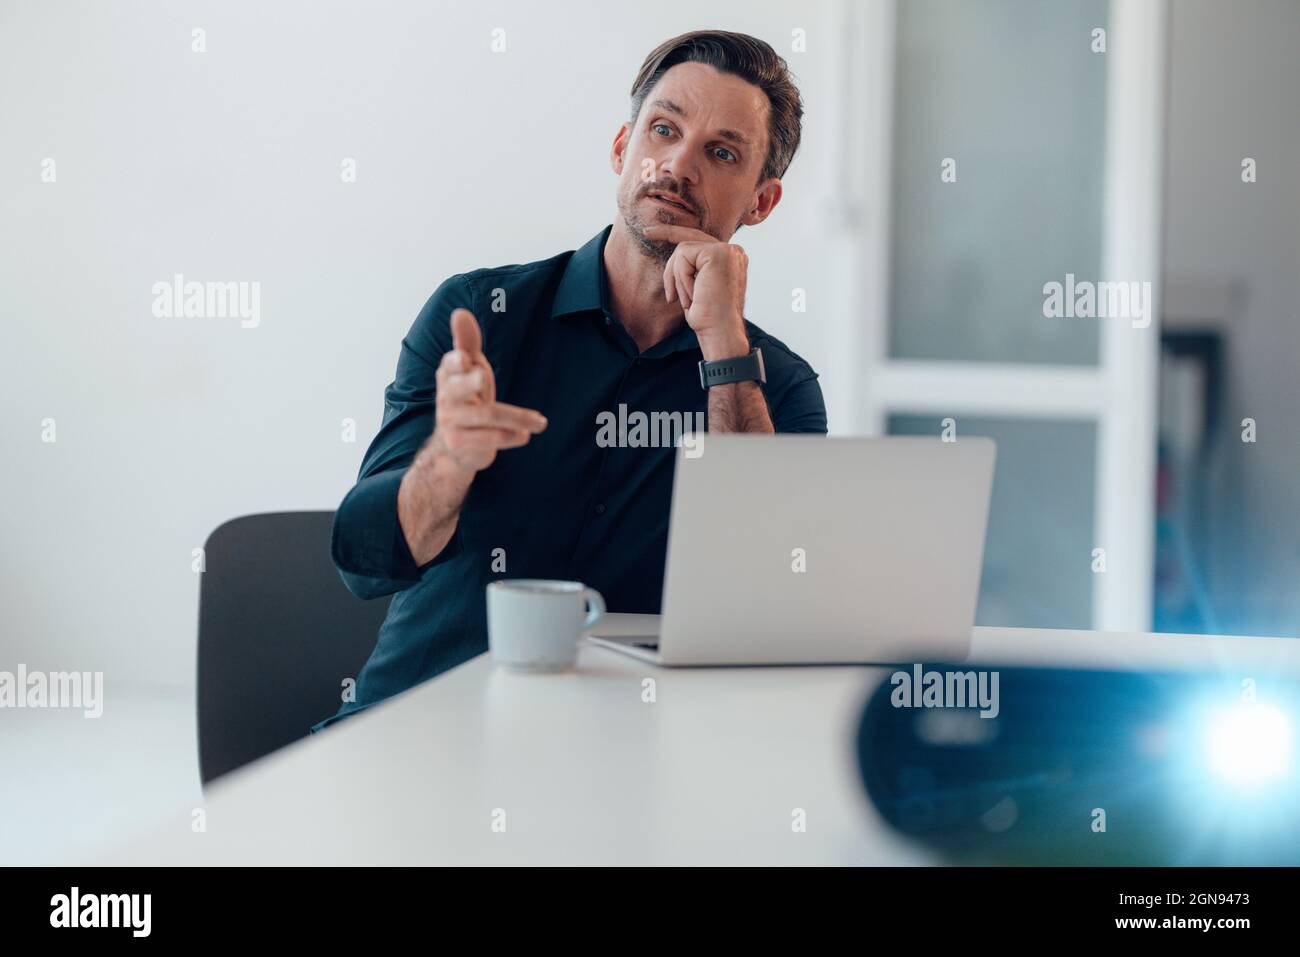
[1234, 92]
[225, 166]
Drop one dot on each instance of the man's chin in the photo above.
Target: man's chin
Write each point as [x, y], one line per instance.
[658, 250]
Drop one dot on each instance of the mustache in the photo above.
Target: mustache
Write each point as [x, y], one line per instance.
[671, 188]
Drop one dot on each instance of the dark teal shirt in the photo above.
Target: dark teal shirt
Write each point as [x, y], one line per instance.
[567, 505]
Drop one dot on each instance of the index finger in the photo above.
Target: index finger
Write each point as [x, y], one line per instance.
[465, 333]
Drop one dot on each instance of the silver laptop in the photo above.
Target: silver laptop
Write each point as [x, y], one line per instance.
[804, 549]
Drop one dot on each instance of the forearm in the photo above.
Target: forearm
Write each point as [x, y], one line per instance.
[735, 406]
[429, 500]
[739, 407]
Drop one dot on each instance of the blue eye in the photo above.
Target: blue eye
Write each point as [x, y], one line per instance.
[723, 149]
[660, 126]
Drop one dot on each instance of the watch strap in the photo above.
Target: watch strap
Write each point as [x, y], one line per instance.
[738, 369]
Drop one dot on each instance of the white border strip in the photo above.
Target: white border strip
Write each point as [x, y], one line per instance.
[1021, 391]
[1131, 250]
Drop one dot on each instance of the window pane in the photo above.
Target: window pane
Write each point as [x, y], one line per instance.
[1012, 92]
[1038, 552]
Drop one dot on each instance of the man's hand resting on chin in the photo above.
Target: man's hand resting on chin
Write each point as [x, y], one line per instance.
[708, 278]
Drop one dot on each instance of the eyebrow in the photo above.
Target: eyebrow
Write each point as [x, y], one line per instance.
[730, 135]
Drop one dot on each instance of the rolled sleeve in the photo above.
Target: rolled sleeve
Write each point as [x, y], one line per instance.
[367, 543]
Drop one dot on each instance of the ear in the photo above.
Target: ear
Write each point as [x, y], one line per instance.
[765, 200]
[619, 148]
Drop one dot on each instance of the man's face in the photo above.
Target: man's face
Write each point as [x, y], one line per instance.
[701, 136]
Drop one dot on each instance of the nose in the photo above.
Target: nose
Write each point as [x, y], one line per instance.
[681, 164]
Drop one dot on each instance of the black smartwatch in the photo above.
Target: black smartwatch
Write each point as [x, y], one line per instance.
[740, 369]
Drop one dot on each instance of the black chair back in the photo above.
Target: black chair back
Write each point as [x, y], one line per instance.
[278, 633]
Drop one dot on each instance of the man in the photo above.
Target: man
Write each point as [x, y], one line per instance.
[492, 460]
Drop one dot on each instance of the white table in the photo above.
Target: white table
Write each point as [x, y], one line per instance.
[586, 772]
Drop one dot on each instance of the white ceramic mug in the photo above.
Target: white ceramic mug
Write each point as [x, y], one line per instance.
[534, 623]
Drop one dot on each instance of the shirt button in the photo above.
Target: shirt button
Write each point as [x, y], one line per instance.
[600, 508]
[609, 321]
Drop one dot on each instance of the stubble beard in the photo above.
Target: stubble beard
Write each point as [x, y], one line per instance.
[656, 250]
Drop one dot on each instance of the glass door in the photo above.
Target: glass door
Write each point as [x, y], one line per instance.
[998, 251]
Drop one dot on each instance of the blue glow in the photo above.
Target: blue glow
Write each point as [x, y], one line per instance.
[1235, 788]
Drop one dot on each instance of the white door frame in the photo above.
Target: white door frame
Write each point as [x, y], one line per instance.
[1119, 395]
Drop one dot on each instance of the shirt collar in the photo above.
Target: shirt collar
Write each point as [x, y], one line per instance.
[584, 287]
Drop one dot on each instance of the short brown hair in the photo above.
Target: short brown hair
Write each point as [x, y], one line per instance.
[748, 58]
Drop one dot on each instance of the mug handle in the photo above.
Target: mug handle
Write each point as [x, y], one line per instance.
[597, 603]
